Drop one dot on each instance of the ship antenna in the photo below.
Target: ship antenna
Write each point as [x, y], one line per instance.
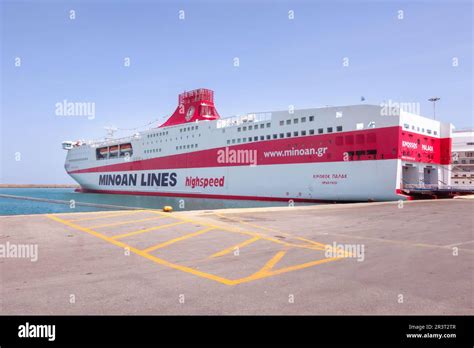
[110, 132]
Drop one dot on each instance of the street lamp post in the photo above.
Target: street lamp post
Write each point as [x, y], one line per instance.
[434, 100]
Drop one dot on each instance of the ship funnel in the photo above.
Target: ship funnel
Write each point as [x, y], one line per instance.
[195, 105]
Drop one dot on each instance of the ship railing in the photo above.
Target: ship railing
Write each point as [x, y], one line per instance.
[244, 119]
[114, 141]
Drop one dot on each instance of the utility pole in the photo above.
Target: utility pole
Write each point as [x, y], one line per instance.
[434, 100]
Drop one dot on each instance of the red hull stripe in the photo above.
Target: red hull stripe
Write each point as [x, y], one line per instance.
[373, 144]
[200, 195]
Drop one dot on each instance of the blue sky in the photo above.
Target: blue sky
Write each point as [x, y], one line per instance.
[282, 62]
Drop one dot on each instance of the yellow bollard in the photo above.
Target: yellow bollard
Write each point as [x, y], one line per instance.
[168, 208]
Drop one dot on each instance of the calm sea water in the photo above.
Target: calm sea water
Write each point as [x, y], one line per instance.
[11, 206]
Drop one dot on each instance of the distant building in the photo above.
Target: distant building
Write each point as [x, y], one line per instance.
[463, 157]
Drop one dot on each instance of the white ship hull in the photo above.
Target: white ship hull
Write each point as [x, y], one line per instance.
[340, 181]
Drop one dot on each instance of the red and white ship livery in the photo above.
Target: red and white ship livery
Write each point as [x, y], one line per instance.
[346, 153]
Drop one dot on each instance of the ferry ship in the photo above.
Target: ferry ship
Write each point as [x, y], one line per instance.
[331, 154]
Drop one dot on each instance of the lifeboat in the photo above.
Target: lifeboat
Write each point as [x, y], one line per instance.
[114, 149]
[104, 151]
[126, 147]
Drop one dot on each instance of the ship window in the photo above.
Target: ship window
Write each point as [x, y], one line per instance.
[295, 134]
[360, 139]
[303, 132]
[233, 141]
[295, 121]
[244, 129]
[371, 152]
[255, 138]
[250, 127]
[282, 135]
[288, 135]
[288, 121]
[360, 152]
[320, 131]
[268, 125]
[349, 139]
[303, 119]
[339, 128]
[239, 129]
[250, 138]
[238, 141]
[406, 125]
[435, 133]
[228, 141]
[311, 118]
[262, 137]
[428, 131]
[329, 129]
[269, 137]
[282, 123]
[311, 131]
[422, 130]
[262, 125]
[275, 136]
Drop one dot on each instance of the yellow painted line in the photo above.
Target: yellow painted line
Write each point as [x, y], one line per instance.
[273, 261]
[127, 222]
[109, 215]
[175, 240]
[232, 248]
[270, 229]
[315, 246]
[133, 233]
[143, 254]
[264, 274]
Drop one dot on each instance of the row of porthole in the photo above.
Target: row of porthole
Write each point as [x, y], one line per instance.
[282, 135]
[152, 150]
[428, 131]
[189, 146]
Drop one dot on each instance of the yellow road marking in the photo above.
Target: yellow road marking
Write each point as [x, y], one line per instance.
[133, 233]
[317, 246]
[175, 240]
[273, 261]
[141, 253]
[232, 248]
[270, 229]
[109, 215]
[127, 222]
[264, 274]
[265, 271]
